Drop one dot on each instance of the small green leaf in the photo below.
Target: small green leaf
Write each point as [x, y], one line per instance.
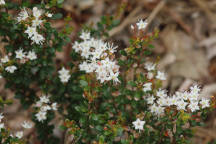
[151, 46]
[132, 83]
[57, 16]
[60, 1]
[116, 23]
[83, 83]
[95, 117]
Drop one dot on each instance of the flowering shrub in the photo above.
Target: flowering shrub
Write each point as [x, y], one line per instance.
[103, 95]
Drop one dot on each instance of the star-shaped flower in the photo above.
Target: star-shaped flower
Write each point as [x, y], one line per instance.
[138, 124]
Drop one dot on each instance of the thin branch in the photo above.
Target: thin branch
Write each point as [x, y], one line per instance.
[204, 7]
[125, 22]
[133, 18]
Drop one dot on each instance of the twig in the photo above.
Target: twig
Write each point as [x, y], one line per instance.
[125, 22]
[185, 85]
[156, 11]
[201, 132]
[132, 17]
[179, 20]
[204, 7]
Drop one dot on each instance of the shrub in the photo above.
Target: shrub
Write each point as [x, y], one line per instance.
[104, 95]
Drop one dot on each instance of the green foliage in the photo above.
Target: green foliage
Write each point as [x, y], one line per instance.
[93, 112]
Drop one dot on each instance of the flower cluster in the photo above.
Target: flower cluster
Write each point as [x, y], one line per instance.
[25, 125]
[158, 100]
[151, 68]
[18, 134]
[8, 68]
[98, 58]
[151, 73]
[64, 75]
[36, 21]
[188, 100]
[44, 106]
[25, 55]
[19, 54]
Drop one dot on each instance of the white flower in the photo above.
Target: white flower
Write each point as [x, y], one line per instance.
[5, 59]
[150, 66]
[63, 71]
[111, 48]
[185, 95]
[64, 78]
[20, 54]
[150, 75]
[64, 75]
[173, 100]
[41, 116]
[23, 15]
[162, 101]
[193, 96]
[204, 103]
[19, 134]
[31, 55]
[132, 27]
[49, 15]
[1, 126]
[168, 101]
[96, 54]
[138, 124]
[161, 93]
[153, 108]
[88, 67]
[2, 2]
[85, 35]
[36, 12]
[77, 47]
[11, 69]
[142, 24]
[160, 76]
[45, 108]
[31, 31]
[181, 105]
[44, 99]
[26, 125]
[1, 117]
[147, 87]
[36, 22]
[37, 38]
[195, 89]
[159, 110]
[150, 100]
[193, 106]
[54, 106]
[179, 95]
[39, 104]
[114, 77]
